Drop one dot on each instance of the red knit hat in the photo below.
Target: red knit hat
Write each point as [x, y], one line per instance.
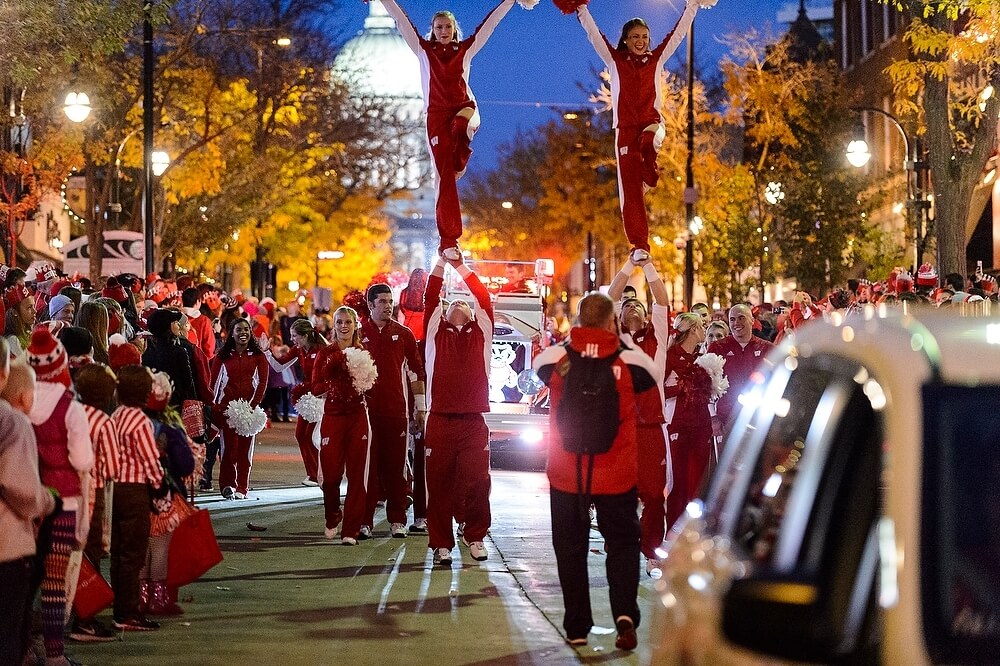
[163, 388]
[904, 282]
[114, 291]
[58, 285]
[988, 284]
[121, 352]
[48, 357]
[15, 295]
[927, 276]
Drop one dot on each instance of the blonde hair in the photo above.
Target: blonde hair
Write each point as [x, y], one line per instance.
[683, 324]
[444, 13]
[93, 316]
[356, 339]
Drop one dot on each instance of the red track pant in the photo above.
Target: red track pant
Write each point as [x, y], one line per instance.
[310, 457]
[344, 445]
[387, 472]
[653, 486]
[636, 153]
[457, 459]
[450, 138]
[690, 448]
[237, 459]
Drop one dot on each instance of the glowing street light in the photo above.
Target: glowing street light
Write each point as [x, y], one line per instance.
[774, 194]
[77, 106]
[858, 153]
[161, 160]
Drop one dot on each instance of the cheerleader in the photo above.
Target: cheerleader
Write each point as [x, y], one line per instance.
[307, 343]
[636, 100]
[689, 424]
[344, 430]
[452, 114]
[239, 372]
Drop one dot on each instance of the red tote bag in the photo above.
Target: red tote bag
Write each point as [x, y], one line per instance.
[193, 549]
[93, 594]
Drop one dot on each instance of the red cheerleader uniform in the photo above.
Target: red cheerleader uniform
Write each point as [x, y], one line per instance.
[239, 377]
[303, 429]
[444, 73]
[689, 427]
[636, 101]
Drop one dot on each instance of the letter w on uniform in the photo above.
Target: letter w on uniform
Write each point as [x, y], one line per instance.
[590, 350]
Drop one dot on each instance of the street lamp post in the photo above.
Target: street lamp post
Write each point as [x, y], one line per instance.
[690, 192]
[147, 133]
[917, 205]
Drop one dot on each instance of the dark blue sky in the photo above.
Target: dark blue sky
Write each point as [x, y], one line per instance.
[541, 56]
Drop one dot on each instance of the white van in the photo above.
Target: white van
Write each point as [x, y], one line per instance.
[855, 513]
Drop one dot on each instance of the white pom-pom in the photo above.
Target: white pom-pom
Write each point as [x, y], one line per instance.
[713, 364]
[310, 408]
[528, 4]
[247, 421]
[362, 369]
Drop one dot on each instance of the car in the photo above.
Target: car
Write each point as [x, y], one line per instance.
[855, 512]
[518, 417]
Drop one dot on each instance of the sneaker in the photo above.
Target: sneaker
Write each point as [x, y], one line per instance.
[639, 255]
[442, 556]
[627, 640]
[310, 482]
[205, 484]
[331, 532]
[419, 526]
[136, 624]
[365, 533]
[91, 631]
[349, 541]
[461, 529]
[653, 567]
[228, 492]
[477, 549]
[398, 530]
[577, 642]
[239, 496]
[452, 253]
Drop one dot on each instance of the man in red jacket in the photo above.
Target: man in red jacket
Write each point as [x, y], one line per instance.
[613, 477]
[743, 352]
[456, 440]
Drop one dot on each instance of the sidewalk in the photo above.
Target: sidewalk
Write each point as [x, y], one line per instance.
[288, 596]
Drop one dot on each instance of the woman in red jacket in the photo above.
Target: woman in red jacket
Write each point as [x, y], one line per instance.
[307, 343]
[239, 372]
[344, 431]
[687, 390]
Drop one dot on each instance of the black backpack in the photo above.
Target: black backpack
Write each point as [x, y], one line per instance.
[587, 416]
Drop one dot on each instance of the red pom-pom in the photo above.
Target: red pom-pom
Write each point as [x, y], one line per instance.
[569, 6]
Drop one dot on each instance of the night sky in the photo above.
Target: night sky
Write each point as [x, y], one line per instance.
[542, 56]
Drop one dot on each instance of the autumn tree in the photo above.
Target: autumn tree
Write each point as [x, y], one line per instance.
[946, 86]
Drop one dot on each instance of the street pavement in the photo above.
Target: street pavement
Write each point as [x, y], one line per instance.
[288, 596]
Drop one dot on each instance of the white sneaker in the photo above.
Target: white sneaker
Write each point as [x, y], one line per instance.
[331, 532]
[365, 532]
[228, 492]
[309, 483]
[477, 549]
[349, 541]
[452, 253]
[239, 496]
[419, 526]
[639, 255]
[442, 556]
[653, 568]
[398, 530]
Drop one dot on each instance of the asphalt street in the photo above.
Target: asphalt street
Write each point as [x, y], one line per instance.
[288, 596]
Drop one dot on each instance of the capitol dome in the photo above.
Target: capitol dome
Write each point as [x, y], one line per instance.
[378, 62]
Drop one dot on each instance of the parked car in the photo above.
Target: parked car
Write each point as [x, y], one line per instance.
[855, 513]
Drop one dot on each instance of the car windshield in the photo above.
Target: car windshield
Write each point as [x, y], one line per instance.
[961, 536]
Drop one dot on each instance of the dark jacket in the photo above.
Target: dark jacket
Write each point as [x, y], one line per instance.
[167, 355]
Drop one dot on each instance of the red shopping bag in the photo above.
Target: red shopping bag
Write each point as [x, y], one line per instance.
[193, 549]
[93, 594]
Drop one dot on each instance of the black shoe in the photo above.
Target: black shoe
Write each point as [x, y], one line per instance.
[205, 484]
[136, 624]
[91, 631]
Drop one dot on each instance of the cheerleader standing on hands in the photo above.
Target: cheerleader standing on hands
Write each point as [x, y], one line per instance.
[343, 371]
[452, 115]
[636, 101]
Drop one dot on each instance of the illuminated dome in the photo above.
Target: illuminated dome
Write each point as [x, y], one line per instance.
[378, 62]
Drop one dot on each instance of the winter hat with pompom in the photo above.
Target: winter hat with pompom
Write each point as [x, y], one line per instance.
[48, 358]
